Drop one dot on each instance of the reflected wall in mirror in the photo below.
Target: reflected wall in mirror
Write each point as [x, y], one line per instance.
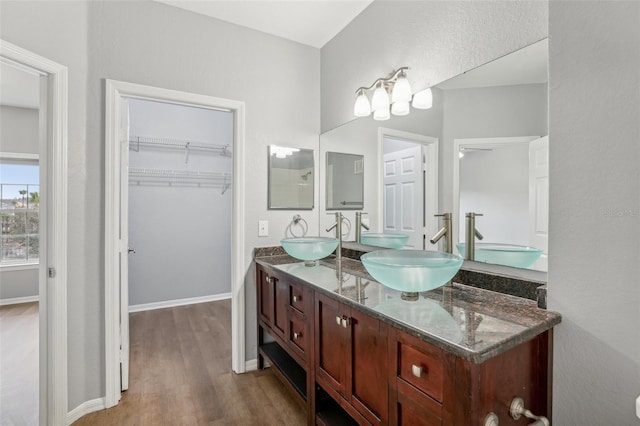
[507, 181]
[505, 98]
[344, 181]
[291, 178]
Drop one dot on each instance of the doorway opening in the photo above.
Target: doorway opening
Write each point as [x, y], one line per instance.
[193, 168]
[409, 185]
[34, 228]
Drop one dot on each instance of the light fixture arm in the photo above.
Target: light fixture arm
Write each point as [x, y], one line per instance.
[389, 79]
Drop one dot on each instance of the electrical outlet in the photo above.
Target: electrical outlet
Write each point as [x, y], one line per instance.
[263, 228]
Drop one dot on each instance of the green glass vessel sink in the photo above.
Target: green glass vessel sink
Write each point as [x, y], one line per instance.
[411, 270]
[392, 241]
[504, 254]
[309, 248]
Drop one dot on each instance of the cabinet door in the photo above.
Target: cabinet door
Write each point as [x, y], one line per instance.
[280, 302]
[368, 364]
[330, 338]
[263, 284]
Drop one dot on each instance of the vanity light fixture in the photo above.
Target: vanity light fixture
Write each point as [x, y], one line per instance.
[392, 95]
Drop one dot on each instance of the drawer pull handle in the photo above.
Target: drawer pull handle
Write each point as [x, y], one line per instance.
[296, 336]
[297, 299]
[416, 370]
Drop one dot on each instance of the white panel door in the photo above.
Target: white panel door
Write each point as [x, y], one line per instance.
[124, 245]
[403, 203]
[539, 198]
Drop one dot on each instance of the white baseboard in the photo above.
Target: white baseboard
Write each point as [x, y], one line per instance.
[179, 302]
[85, 408]
[251, 365]
[16, 300]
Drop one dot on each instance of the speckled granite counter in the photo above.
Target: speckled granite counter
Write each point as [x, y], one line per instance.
[469, 322]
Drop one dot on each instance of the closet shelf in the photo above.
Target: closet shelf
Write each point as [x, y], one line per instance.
[136, 141]
[169, 176]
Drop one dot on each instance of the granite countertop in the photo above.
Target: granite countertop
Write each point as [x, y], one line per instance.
[470, 322]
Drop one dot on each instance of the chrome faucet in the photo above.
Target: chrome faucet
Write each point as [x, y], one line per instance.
[445, 232]
[359, 225]
[338, 227]
[471, 234]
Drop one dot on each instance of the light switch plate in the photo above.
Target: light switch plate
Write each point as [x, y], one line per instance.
[263, 228]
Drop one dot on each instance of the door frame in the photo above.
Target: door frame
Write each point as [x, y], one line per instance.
[480, 143]
[52, 287]
[430, 146]
[115, 91]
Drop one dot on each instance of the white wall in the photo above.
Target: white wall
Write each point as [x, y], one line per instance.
[594, 235]
[181, 232]
[519, 110]
[19, 131]
[155, 44]
[502, 111]
[437, 40]
[496, 185]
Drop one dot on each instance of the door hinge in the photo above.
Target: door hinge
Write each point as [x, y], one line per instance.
[51, 272]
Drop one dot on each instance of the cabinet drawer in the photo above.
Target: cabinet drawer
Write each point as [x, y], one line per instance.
[298, 332]
[422, 368]
[296, 297]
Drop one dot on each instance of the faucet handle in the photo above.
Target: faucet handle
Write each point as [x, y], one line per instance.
[473, 214]
[445, 215]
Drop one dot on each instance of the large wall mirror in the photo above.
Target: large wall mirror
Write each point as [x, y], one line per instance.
[291, 178]
[344, 181]
[472, 116]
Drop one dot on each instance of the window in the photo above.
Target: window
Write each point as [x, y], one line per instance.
[19, 211]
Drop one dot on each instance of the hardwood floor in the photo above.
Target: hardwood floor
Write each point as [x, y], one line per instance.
[181, 375]
[19, 364]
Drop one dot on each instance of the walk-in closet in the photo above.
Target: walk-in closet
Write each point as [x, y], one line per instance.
[179, 203]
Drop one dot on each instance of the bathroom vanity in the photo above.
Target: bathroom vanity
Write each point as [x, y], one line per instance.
[353, 352]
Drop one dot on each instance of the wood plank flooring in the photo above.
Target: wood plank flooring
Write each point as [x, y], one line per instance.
[181, 375]
[19, 364]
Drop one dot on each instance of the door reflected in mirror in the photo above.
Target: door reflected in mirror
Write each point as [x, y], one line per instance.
[345, 181]
[291, 178]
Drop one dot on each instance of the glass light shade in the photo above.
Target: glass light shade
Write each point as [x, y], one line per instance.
[401, 90]
[380, 99]
[400, 108]
[381, 114]
[423, 99]
[362, 108]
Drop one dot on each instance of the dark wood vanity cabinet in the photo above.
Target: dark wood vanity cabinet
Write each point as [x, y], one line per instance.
[284, 332]
[428, 386]
[347, 367]
[351, 359]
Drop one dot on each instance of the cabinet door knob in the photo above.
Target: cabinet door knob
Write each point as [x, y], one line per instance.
[296, 336]
[296, 298]
[338, 320]
[416, 370]
[345, 322]
[268, 279]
